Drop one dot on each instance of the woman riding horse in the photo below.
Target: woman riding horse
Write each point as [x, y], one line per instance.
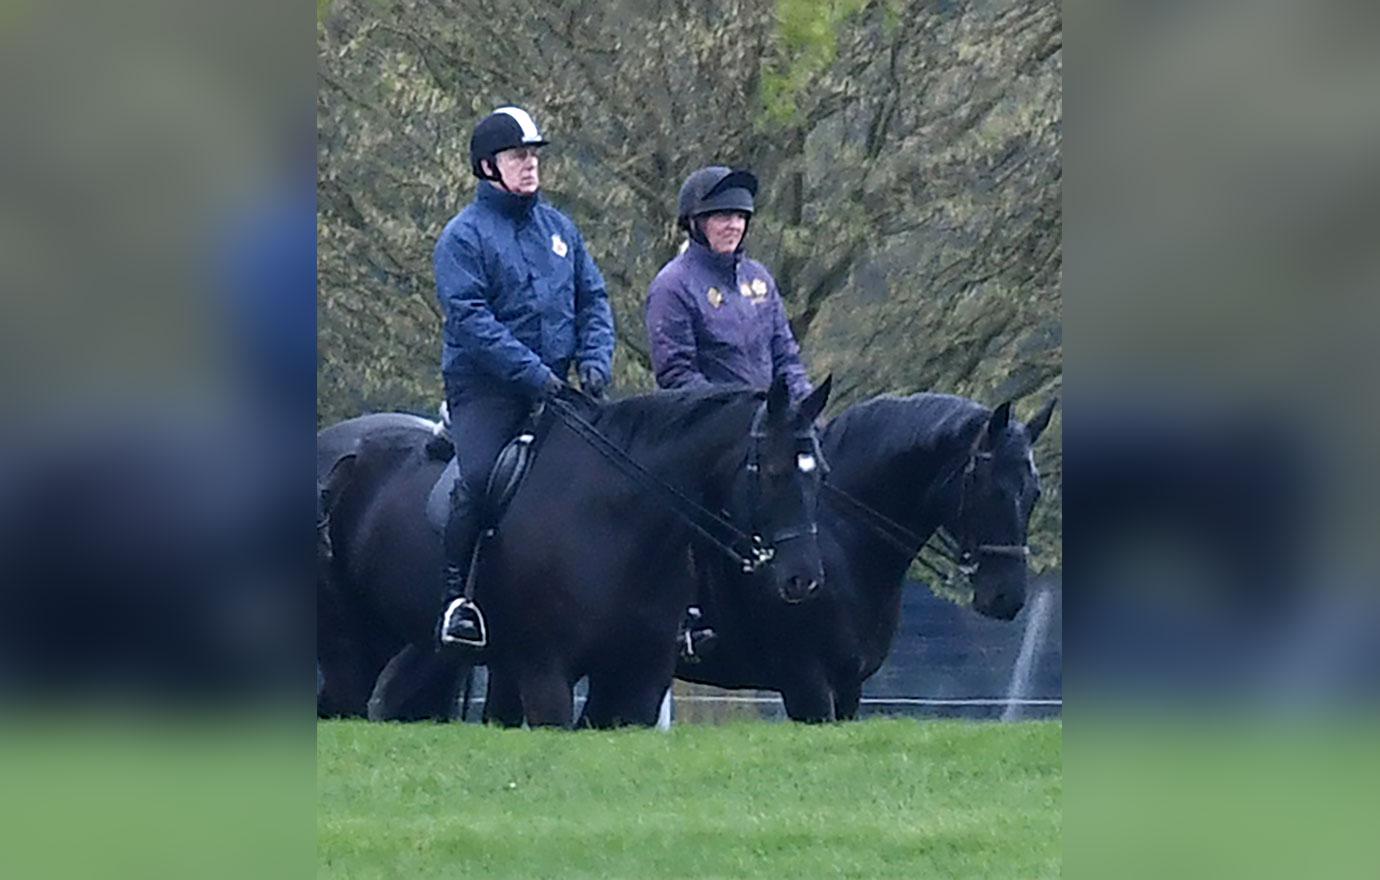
[714, 316]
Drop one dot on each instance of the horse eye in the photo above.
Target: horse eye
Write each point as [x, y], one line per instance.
[806, 463]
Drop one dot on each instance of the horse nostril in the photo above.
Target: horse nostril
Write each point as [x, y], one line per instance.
[801, 587]
[796, 588]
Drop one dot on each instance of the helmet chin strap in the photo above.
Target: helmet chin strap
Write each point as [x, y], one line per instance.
[497, 179]
[493, 176]
[696, 233]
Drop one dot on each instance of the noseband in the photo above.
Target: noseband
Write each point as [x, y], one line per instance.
[970, 554]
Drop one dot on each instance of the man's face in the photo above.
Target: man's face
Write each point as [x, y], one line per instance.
[518, 168]
[724, 230]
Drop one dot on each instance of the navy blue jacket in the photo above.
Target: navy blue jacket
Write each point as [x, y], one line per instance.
[718, 319]
[521, 296]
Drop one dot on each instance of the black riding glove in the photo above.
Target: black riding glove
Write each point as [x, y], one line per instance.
[593, 383]
[553, 388]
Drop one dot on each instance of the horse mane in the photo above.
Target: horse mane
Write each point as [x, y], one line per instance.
[663, 416]
[890, 425]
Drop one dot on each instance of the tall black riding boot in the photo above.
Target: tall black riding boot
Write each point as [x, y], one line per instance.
[462, 623]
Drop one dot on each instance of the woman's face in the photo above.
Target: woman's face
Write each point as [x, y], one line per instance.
[724, 230]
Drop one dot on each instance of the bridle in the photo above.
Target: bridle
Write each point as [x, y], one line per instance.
[963, 550]
[970, 553]
[806, 443]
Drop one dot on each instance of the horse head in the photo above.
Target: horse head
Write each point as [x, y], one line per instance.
[1000, 487]
[785, 468]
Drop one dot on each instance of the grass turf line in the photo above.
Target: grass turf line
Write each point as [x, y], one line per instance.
[880, 798]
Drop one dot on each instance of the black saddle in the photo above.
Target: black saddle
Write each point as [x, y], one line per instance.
[509, 468]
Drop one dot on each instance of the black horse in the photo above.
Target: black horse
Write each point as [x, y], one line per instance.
[902, 467]
[351, 654]
[587, 574]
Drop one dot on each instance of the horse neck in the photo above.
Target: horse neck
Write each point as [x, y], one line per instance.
[706, 453]
[916, 487]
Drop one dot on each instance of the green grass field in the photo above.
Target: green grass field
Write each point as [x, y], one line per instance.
[881, 798]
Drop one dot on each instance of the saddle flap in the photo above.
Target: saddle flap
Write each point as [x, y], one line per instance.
[509, 469]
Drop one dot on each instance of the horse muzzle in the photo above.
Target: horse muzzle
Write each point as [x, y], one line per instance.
[796, 589]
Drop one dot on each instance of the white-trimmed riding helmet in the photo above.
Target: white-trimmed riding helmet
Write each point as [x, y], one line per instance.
[503, 129]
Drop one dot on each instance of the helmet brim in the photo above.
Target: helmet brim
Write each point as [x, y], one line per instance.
[736, 199]
[734, 180]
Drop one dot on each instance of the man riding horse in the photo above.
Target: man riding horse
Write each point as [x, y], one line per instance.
[523, 303]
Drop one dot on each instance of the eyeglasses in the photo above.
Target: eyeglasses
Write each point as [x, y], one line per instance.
[522, 154]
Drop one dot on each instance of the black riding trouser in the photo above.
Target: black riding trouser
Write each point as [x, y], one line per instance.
[481, 424]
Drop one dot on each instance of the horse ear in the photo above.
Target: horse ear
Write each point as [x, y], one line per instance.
[1001, 418]
[778, 398]
[812, 406]
[1037, 425]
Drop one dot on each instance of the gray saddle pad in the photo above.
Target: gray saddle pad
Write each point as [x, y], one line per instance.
[438, 502]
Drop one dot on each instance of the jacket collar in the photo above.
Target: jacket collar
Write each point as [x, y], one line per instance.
[506, 203]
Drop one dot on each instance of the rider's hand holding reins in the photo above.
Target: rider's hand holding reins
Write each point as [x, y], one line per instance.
[593, 383]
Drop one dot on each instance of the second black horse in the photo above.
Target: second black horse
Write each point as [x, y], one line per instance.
[902, 468]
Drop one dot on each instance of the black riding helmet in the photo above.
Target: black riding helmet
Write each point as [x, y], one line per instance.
[716, 188]
[503, 129]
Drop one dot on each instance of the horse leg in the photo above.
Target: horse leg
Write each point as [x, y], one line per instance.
[813, 704]
[548, 700]
[808, 697]
[644, 703]
[345, 687]
[503, 701]
[417, 684]
[634, 696]
[347, 669]
[598, 709]
[847, 697]
[437, 693]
